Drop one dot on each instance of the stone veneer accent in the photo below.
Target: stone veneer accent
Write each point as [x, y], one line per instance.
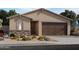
[21, 32]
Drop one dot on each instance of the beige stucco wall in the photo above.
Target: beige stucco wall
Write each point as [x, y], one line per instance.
[42, 17]
[68, 28]
[12, 24]
[26, 24]
[39, 28]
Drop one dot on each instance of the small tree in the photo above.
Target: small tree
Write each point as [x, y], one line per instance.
[1, 21]
[69, 14]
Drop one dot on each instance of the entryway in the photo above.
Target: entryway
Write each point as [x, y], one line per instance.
[34, 27]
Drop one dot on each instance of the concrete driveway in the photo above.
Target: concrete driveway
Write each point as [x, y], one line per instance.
[65, 39]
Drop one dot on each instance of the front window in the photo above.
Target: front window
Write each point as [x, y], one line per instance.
[19, 25]
[77, 22]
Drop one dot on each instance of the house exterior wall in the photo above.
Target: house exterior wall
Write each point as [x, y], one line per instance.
[12, 25]
[25, 26]
[42, 17]
[68, 28]
[39, 28]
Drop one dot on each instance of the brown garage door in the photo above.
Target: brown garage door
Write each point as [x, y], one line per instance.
[54, 28]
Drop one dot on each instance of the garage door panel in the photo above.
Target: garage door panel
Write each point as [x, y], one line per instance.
[54, 28]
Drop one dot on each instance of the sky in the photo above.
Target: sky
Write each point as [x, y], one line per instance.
[55, 10]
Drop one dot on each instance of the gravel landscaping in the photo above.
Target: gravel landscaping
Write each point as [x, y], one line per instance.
[54, 40]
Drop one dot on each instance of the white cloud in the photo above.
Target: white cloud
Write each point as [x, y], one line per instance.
[24, 10]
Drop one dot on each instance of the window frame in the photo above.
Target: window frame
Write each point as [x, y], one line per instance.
[19, 24]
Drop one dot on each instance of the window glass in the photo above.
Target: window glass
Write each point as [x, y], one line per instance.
[19, 25]
[77, 22]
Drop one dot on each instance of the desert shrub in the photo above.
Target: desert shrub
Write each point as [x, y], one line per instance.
[43, 38]
[22, 36]
[47, 39]
[26, 38]
[12, 35]
[34, 36]
[17, 37]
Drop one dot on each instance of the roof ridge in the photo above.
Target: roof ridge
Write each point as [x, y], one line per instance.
[18, 15]
[43, 9]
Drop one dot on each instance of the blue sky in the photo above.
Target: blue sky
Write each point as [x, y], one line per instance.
[55, 10]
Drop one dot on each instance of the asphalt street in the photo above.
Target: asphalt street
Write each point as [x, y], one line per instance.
[42, 47]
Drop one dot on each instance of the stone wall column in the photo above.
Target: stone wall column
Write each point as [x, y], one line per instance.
[39, 28]
[68, 28]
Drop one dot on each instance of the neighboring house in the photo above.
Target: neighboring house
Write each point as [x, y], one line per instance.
[5, 29]
[76, 26]
[1, 29]
[39, 22]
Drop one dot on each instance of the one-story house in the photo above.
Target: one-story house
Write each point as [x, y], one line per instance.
[39, 22]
